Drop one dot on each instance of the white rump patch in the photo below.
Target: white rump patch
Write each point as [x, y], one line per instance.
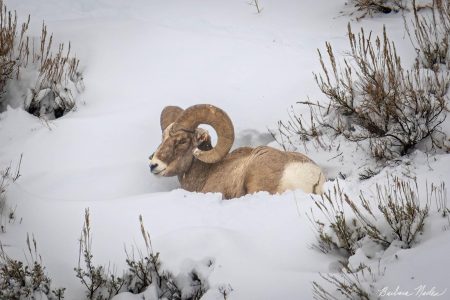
[307, 177]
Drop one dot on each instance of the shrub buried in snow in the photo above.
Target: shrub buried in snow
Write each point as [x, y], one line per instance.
[370, 7]
[19, 280]
[144, 273]
[373, 98]
[431, 35]
[52, 81]
[6, 212]
[396, 218]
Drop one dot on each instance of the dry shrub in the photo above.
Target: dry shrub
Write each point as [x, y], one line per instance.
[57, 77]
[144, 271]
[371, 7]
[9, 59]
[393, 214]
[19, 280]
[398, 201]
[58, 82]
[373, 98]
[439, 193]
[7, 213]
[342, 233]
[430, 35]
[348, 284]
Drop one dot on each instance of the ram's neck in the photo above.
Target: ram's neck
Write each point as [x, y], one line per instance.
[195, 177]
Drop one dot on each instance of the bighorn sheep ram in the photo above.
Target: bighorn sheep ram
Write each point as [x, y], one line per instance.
[186, 152]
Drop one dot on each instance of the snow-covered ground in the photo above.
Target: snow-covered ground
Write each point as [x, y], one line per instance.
[139, 56]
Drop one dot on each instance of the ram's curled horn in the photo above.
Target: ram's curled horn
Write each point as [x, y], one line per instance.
[217, 119]
[169, 115]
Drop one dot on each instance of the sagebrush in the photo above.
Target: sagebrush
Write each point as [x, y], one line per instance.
[394, 213]
[144, 272]
[54, 78]
[430, 34]
[393, 216]
[26, 280]
[7, 212]
[372, 7]
[373, 98]
[349, 284]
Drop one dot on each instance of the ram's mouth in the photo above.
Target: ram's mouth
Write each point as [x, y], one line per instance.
[159, 172]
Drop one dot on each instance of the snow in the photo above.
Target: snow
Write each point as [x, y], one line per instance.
[139, 56]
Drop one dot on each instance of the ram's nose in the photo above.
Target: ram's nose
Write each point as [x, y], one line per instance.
[156, 166]
[153, 167]
[151, 164]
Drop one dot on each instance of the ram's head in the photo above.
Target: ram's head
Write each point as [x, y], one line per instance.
[182, 140]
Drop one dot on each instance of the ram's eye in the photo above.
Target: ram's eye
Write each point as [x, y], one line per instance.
[181, 141]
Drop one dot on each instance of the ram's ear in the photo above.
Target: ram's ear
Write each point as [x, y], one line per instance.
[203, 139]
[169, 115]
